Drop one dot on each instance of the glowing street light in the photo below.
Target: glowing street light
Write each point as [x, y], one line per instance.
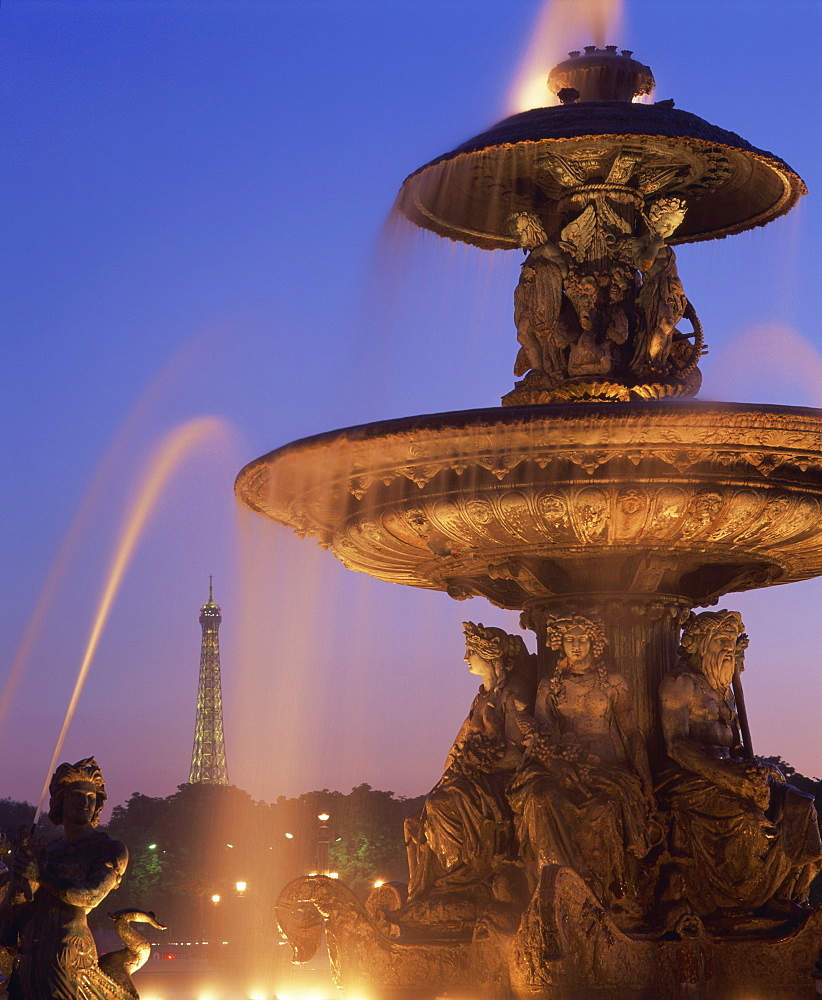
[241, 886]
[289, 836]
[322, 843]
[216, 898]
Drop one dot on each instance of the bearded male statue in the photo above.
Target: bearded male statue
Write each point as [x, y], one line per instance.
[742, 839]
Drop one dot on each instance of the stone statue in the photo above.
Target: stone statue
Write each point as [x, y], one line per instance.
[465, 828]
[744, 838]
[538, 300]
[53, 889]
[583, 797]
[660, 300]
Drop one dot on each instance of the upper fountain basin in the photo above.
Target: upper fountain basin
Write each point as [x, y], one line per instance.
[533, 161]
[693, 500]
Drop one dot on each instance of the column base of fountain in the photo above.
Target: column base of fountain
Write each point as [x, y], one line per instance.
[564, 946]
[537, 389]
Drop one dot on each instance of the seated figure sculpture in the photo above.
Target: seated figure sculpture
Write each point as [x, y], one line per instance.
[43, 917]
[741, 838]
[583, 797]
[745, 838]
[465, 830]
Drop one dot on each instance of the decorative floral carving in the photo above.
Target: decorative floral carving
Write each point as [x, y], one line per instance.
[752, 497]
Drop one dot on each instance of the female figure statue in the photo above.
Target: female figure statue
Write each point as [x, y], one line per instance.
[466, 822]
[584, 793]
[56, 955]
[538, 300]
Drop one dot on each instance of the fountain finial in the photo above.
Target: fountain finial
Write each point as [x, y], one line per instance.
[602, 75]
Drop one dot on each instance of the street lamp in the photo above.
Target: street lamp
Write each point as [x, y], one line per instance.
[322, 843]
[241, 887]
[216, 898]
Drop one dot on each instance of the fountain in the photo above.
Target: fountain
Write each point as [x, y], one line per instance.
[604, 504]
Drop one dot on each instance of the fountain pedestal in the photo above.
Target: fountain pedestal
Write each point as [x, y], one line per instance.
[604, 506]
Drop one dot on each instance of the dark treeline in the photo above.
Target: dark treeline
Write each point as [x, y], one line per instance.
[189, 847]
[201, 841]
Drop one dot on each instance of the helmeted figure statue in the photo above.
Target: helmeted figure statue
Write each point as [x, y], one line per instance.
[52, 891]
[583, 797]
[744, 838]
[466, 827]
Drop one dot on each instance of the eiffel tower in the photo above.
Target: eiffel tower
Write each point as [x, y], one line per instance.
[208, 765]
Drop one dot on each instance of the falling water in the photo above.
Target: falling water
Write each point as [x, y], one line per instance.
[168, 455]
[159, 387]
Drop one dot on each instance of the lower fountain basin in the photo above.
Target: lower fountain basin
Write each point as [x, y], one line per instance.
[519, 504]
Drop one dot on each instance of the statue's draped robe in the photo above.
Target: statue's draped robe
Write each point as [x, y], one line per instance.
[588, 824]
[466, 823]
[588, 814]
[537, 304]
[661, 303]
[741, 857]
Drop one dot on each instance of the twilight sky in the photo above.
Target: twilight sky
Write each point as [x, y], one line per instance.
[193, 197]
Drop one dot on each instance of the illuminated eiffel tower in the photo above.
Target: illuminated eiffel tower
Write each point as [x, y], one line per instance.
[208, 765]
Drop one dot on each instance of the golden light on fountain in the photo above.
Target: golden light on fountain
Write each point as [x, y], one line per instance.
[604, 503]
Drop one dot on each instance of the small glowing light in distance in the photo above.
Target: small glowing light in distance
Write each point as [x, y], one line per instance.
[378, 883]
[216, 898]
[241, 886]
[333, 874]
[152, 847]
[229, 845]
[289, 836]
[323, 817]
[311, 874]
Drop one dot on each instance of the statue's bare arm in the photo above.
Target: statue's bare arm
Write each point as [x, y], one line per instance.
[454, 751]
[680, 699]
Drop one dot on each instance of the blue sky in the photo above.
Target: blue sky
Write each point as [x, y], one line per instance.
[193, 206]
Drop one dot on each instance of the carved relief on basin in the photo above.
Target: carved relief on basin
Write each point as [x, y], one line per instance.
[693, 500]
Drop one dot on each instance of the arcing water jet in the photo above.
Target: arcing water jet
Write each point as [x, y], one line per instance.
[172, 450]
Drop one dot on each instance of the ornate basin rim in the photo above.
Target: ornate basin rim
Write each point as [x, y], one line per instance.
[590, 416]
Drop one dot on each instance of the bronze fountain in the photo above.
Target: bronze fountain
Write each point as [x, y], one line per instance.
[602, 823]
